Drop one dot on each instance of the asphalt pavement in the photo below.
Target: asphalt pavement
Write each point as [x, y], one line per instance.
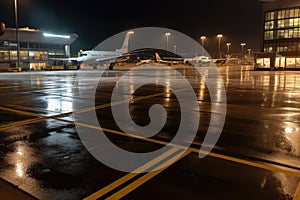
[46, 116]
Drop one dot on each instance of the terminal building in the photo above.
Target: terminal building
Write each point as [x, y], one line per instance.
[37, 48]
[281, 35]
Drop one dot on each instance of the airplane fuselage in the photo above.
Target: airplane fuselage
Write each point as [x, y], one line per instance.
[92, 57]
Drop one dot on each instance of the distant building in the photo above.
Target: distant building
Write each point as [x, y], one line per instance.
[281, 31]
[281, 35]
[36, 48]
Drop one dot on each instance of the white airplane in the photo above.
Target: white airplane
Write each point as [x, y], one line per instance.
[94, 57]
[198, 61]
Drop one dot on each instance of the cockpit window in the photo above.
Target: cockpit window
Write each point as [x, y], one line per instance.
[83, 54]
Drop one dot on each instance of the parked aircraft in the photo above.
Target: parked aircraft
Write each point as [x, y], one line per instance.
[198, 61]
[94, 57]
[172, 61]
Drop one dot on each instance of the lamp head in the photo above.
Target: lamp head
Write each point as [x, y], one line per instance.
[2, 28]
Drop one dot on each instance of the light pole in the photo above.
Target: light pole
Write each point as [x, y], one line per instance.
[202, 43]
[17, 33]
[175, 49]
[242, 45]
[228, 48]
[249, 53]
[167, 36]
[219, 36]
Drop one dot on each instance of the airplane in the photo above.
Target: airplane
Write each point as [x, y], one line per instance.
[167, 62]
[219, 61]
[145, 61]
[226, 61]
[198, 61]
[143, 56]
[93, 57]
[136, 56]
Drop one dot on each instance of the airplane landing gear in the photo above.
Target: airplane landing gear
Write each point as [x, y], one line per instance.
[111, 65]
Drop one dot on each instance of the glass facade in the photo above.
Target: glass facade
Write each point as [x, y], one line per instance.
[29, 51]
[34, 55]
[36, 50]
[282, 30]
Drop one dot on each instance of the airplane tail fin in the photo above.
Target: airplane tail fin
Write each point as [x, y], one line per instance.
[157, 57]
[124, 48]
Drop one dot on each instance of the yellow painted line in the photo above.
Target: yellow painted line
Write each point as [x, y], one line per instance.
[21, 112]
[33, 114]
[292, 172]
[269, 167]
[106, 105]
[56, 117]
[118, 103]
[20, 123]
[129, 176]
[124, 134]
[297, 193]
[140, 181]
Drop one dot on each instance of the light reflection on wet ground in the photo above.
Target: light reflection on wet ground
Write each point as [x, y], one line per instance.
[268, 101]
[47, 159]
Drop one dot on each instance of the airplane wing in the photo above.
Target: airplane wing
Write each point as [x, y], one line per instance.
[65, 59]
[107, 58]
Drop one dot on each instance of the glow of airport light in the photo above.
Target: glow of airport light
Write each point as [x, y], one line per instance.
[228, 47]
[167, 35]
[243, 44]
[55, 35]
[202, 40]
[202, 43]
[288, 130]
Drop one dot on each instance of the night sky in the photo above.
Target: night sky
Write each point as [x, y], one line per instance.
[94, 21]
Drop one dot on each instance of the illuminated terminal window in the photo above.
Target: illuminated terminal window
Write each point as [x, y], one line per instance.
[13, 55]
[270, 16]
[38, 55]
[282, 47]
[282, 30]
[24, 55]
[283, 23]
[4, 55]
[269, 25]
[36, 48]
[269, 35]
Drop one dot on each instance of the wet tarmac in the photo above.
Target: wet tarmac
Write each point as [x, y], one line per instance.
[256, 156]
